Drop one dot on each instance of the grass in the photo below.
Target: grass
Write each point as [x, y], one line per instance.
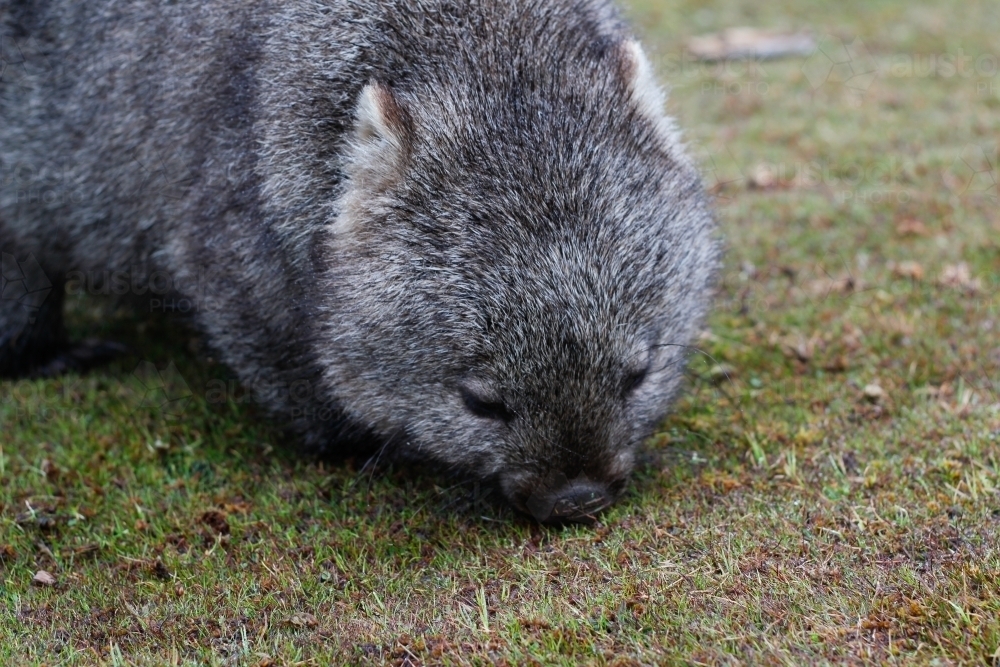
[835, 500]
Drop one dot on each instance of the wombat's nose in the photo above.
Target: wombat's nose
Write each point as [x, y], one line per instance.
[574, 500]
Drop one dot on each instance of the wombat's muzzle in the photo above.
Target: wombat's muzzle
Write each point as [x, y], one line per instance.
[579, 499]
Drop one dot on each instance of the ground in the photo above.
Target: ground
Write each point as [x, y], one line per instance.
[826, 491]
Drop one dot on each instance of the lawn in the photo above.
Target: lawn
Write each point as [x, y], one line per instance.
[827, 491]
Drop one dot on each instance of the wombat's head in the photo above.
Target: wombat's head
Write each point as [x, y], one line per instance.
[517, 272]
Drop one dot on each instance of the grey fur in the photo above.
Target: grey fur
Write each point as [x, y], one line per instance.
[386, 212]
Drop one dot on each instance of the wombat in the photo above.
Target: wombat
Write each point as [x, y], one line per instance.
[462, 229]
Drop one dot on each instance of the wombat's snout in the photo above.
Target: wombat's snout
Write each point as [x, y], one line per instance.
[579, 499]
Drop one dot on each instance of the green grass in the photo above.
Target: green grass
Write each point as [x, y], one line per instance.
[780, 517]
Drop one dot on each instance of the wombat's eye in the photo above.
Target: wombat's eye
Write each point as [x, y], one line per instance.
[487, 408]
[634, 379]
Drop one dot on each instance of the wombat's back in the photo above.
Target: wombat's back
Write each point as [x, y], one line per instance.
[122, 123]
[127, 124]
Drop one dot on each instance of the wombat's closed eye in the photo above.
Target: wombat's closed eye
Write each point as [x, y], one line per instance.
[482, 403]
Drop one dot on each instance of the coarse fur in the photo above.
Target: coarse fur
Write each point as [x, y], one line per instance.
[463, 228]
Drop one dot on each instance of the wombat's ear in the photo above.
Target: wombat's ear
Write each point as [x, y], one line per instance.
[383, 134]
[646, 93]
[382, 118]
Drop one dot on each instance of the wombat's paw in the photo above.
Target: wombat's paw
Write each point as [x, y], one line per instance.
[79, 358]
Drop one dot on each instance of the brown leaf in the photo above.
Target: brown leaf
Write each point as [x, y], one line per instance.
[908, 269]
[86, 549]
[874, 393]
[742, 43]
[762, 177]
[217, 521]
[911, 227]
[302, 619]
[836, 365]
[237, 506]
[160, 570]
[51, 471]
[799, 347]
[43, 578]
[826, 287]
[959, 276]
[7, 552]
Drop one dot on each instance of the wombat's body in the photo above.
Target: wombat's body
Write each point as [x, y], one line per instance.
[463, 227]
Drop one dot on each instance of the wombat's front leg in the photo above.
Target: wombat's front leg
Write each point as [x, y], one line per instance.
[32, 337]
